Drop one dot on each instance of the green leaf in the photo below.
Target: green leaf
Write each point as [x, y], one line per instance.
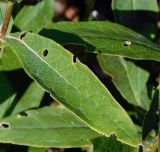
[33, 149]
[3, 147]
[74, 85]
[31, 98]
[103, 144]
[104, 37]
[47, 127]
[34, 18]
[130, 80]
[140, 15]
[7, 94]
[5, 106]
[8, 60]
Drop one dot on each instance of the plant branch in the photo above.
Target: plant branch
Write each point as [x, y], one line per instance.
[6, 19]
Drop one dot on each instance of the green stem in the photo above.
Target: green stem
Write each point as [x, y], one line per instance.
[90, 6]
[6, 19]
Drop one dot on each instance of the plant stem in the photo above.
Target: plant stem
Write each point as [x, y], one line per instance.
[6, 19]
[90, 6]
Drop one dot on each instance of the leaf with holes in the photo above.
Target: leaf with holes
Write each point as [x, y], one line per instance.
[129, 79]
[73, 85]
[104, 37]
[46, 127]
[43, 14]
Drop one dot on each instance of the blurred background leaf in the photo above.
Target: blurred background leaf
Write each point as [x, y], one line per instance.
[139, 15]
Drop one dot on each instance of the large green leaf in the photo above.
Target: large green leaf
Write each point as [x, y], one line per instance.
[140, 15]
[73, 85]
[102, 144]
[31, 98]
[129, 79]
[104, 37]
[34, 18]
[47, 127]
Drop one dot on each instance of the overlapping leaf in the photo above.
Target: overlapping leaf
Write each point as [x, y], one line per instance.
[73, 85]
[129, 79]
[104, 37]
[47, 127]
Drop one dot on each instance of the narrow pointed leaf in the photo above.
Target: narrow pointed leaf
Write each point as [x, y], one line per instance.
[31, 98]
[73, 85]
[130, 80]
[104, 37]
[47, 127]
[7, 94]
[5, 106]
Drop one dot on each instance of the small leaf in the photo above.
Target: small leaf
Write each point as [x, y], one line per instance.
[74, 85]
[8, 60]
[5, 106]
[103, 144]
[34, 18]
[7, 94]
[47, 127]
[31, 98]
[33, 149]
[129, 79]
[104, 37]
